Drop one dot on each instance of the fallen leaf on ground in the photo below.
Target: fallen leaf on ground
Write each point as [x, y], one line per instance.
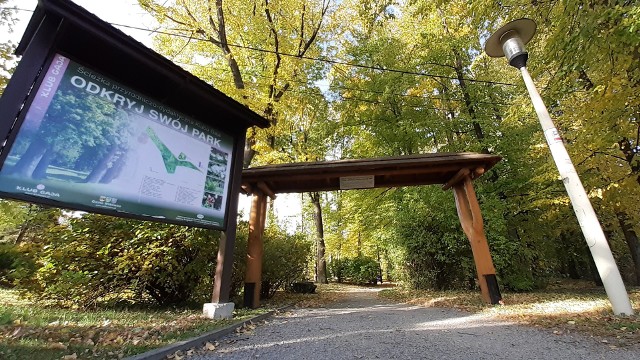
[16, 332]
[58, 346]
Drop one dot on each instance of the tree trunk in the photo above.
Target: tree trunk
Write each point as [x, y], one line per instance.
[25, 226]
[321, 262]
[459, 69]
[114, 171]
[29, 160]
[40, 171]
[477, 129]
[101, 168]
[632, 241]
[249, 151]
[379, 265]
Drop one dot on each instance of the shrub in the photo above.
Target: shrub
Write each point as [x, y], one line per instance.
[16, 264]
[99, 258]
[285, 260]
[359, 270]
[96, 259]
[8, 253]
[435, 253]
[337, 269]
[362, 270]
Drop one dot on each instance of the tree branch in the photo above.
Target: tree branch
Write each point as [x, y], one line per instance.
[276, 45]
[304, 8]
[594, 153]
[222, 36]
[308, 43]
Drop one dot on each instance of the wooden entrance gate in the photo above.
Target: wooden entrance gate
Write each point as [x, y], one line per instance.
[454, 170]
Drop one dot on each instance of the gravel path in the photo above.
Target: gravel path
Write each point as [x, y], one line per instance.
[367, 328]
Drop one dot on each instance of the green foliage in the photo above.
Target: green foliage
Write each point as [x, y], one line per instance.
[98, 258]
[23, 229]
[7, 254]
[363, 270]
[358, 270]
[14, 265]
[436, 254]
[338, 268]
[12, 215]
[285, 260]
[592, 91]
[7, 19]
[228, 36]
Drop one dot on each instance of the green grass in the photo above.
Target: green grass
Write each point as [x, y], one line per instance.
[54, 172]
[57, 173]
[31, 331]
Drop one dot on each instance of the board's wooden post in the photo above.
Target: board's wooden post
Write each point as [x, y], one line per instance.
[224, 264]
[471, 220]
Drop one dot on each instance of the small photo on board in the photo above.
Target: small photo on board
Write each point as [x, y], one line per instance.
[218, 157]
[214, 185]
[212, 201]
[216, 173]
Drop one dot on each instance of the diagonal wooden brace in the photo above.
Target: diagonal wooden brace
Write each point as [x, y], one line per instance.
[471, 221]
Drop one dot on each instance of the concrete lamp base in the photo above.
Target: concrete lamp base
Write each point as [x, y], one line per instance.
[218, 310]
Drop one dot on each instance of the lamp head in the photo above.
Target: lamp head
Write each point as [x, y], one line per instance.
[510, 41]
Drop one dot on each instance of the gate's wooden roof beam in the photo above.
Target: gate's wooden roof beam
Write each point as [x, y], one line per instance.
[410, 170]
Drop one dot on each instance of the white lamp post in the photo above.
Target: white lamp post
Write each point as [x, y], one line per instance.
[509, 41]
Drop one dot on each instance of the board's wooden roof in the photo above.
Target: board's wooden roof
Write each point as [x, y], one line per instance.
[410, 170]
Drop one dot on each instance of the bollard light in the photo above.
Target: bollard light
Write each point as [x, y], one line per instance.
[510, 41]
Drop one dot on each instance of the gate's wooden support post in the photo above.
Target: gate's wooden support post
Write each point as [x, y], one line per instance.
[471, 220]
[253, 276]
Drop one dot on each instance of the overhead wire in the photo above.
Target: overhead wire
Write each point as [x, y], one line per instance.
[354, 99]
[339, 62]
[335, 62]
[337, 87]
[319, 59]
[326, 60]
